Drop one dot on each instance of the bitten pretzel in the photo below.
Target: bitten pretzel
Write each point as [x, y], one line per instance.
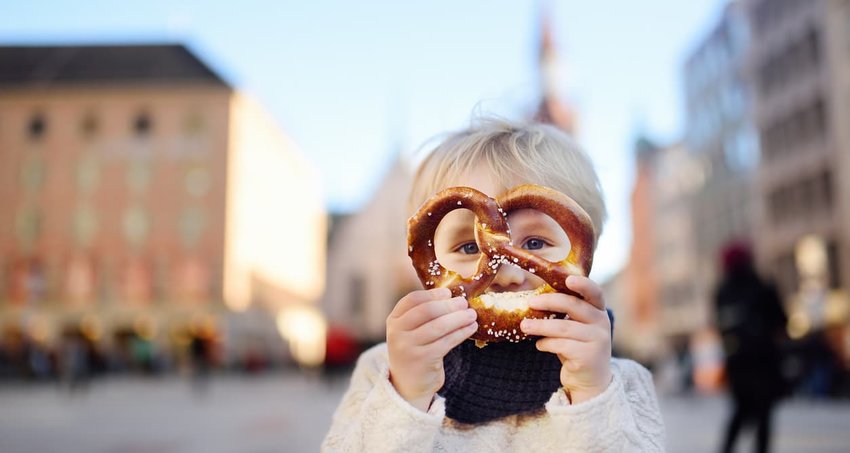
[492, 235]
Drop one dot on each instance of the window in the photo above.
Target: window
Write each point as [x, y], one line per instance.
[192, 225]
[193, 124]
[135, 225]
[88, 173]
[89, 126]
[85, 226]
[29, 225]
[142, 124]
[37, 127]
[833, 264]
[797, 58]
[825, 188]
[138, 175]
[798, 128]
[742, 149]
[198, 182]
[33, 173]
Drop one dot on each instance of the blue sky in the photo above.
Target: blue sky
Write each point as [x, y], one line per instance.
[356, 82]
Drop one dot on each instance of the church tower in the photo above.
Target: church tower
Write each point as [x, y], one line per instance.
[551, 109]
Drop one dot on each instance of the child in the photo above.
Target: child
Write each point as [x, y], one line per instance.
[428, 389]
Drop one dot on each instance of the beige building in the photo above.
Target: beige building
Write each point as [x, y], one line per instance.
[800, 67]
[654, 297]
[368, 267]
[141, 194]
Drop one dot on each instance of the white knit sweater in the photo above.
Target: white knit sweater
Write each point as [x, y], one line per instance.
[374, 418]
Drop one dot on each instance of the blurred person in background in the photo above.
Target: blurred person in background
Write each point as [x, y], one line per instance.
[751, 322]
[74, 362]
[200, 350]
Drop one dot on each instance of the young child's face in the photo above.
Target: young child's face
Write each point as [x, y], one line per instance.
[454, 240]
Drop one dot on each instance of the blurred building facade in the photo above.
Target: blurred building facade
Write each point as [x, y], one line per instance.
[636, 299]
[800, 69]
[368, 267]
[143, 196]
[722, 139]
[655, 313]
[691, 198]
[765, 158]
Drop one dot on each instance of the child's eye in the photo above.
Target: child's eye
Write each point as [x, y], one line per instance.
[534, 244]
[470, 248]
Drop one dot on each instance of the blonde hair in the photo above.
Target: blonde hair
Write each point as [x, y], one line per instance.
[514, 153]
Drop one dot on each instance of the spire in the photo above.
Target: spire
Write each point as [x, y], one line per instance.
[548, 59]
[551, 109]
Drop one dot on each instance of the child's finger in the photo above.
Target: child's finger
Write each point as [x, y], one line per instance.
[588, 289]
[427, 311]
[448, 342]
[576, 308]
[442, 326]
[566, 348]
[559, 328]
[415, 298]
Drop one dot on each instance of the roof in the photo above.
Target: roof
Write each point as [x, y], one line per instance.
[40, 66]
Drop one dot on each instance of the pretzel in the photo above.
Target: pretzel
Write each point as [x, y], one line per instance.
[492, 235]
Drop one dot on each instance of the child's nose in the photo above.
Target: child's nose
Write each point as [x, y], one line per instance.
[509, 278]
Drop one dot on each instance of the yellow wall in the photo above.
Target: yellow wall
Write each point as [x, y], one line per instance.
[276, 220]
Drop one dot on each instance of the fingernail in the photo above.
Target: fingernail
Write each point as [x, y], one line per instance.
[459, 302]
[472, 314]
[524, 324]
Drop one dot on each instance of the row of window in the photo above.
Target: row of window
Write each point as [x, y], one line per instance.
[720, 54]
[141, 125]
[197, 180]
[798, 128]
[713, 114]
[141, 280]
[799, 57]
[768, 13]
[802, 198]
[135, 222]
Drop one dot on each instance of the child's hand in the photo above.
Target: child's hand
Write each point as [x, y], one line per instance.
[582, 342]
[422, 328]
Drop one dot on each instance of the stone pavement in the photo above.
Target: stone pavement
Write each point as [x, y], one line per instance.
[289, 412]
[696, 425]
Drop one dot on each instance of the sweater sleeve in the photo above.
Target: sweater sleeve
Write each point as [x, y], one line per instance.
[623, 418]
[373, 417]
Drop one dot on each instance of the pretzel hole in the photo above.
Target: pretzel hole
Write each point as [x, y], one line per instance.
[538, 234]
[456, 230]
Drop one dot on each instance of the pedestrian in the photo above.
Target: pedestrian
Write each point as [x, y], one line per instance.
[199, 352]
[751, 323]
[430, 389]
